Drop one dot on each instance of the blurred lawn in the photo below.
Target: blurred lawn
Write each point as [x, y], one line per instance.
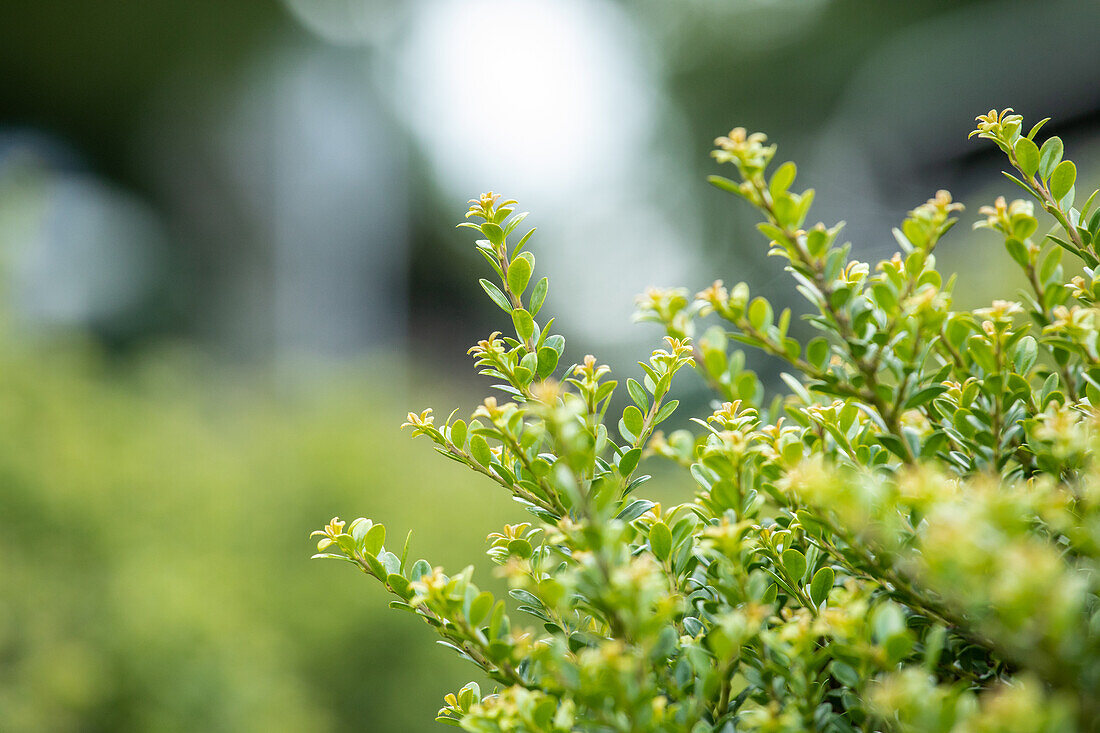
[154, 571]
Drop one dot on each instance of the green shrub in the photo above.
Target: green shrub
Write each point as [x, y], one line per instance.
[907, 540]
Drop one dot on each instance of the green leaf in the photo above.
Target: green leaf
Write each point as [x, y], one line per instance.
[782, 583]
[817, 352]
[525, 597]
[1062, 179]
[633, 419]
[637, 393]
[493, 232]
[556, 342]
[1024, 227]
[496, 621]
[1027, 351]
[782, 179]
[1066, 245]
[547, 362]
[1038, 126]
[479, 449]
[934, 642]
[893, 444]
[821, 585]
[538, 295]
[887, 621]
[495, 295]
[374, 539]
[605, 390]
[666, 411]
[634, 509]
[523, 239]
[922, 396]
[391, 562]
[399, 585]
[725, 184]
[1049, 156]
[845, 674]
[933, 444]
[794, 562]
[525, 325]
[519, 273]
[760, 313]
[359, 528]
[1027, 155]
[1017, 251]
[660, 541]
[480, 608]
[420, 568]
[1019, 183]
[898, 646]
[520, 547]
[458, 433]
[720, 643]
[375, 566]
[629, 461]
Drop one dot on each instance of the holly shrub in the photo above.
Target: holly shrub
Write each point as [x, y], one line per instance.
[906, 540]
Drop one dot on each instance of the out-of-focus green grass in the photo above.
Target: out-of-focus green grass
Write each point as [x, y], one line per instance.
[154, 571]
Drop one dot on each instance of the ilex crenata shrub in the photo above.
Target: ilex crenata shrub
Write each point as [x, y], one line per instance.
[907, 539]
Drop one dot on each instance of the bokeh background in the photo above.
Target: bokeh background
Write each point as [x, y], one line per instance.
[228, 268]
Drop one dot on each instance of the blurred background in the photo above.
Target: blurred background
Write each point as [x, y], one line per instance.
[228, 267]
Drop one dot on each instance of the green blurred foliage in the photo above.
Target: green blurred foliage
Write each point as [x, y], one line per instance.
[152, 520]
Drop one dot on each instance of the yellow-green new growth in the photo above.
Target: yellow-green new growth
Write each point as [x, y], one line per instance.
[905, 539]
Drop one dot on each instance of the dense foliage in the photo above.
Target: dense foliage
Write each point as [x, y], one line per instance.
[151, 570]
[906, 540]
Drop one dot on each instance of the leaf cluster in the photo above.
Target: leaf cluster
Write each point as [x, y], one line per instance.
[905, 540]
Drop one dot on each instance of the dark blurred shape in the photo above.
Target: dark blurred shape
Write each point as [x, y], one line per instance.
[79, 252]
[900, 129]
[292, 184]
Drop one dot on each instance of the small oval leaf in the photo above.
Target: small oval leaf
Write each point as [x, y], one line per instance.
[794, 562]
[1049, 156]
[480, 608]
[629, 461]
[479, 449]
[374, 539]
[633, 419]
[821, 585]
[660, 541]
[525, 325]
[458, 433]
[1062, 179]
[1027, 156]
[519, 273]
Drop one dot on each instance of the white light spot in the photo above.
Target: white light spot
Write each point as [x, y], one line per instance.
[524, 96]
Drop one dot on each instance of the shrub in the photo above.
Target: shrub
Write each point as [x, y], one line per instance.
[907, 540]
